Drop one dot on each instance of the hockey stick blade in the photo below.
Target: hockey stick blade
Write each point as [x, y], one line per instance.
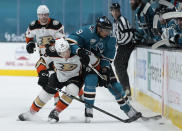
[157, 117]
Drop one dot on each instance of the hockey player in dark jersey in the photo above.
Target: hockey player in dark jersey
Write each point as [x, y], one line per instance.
[144, 15]
[96, 38]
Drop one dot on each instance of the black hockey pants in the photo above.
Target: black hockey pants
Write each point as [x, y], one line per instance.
[121, 64]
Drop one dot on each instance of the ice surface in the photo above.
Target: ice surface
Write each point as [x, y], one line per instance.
[18, 93]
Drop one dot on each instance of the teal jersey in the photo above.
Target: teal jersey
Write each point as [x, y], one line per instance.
[88, 39]
[175, 31]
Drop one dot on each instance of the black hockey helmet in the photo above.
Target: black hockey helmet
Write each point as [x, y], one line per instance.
[104, 23]
[115, 6]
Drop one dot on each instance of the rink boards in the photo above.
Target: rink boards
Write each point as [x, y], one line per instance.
[156, 76]
[158, 81]
[15, 61]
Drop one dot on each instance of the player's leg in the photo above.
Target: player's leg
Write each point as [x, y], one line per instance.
[73, 86]
[91, 81]
[63, 103]
[80, 94]
[44, 96]
[117, 90]
[45, 63]
[56, 98]
[121, 65]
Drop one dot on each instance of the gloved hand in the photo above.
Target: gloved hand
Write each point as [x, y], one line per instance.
[84, 58]
[105, 72]
[43, 78]
[156, 32]
[52, 41]
[30, 47]
[176, 38]
[174, 41]
[50, 51]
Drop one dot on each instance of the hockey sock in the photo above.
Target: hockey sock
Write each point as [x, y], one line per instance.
[123, 102]
[80, 93]
[89, 97]
[63, 103]
[56, 97]
[40, 101]
[36, 105]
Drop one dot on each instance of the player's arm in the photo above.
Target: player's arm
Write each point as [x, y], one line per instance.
[42, 71]
[109, 52]
[79, 39]
[29, 35]
[60, 30]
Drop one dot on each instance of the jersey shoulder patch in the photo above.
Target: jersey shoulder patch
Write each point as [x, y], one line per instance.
[92, 28]
[54, 24]
[34, 24]
[88, 29]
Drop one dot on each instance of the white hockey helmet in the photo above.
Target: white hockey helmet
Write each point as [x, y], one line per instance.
[42, 9]
[61, 45]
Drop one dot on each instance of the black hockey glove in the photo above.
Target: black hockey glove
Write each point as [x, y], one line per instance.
[43, 78]
[50, 51]
[30, 47]
[174, 42]
[176, 39]
[84, 58]
[105, 72]
[52, 41]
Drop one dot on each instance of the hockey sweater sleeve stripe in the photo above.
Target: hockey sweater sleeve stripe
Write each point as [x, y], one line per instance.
[40, 68]
[28, 39]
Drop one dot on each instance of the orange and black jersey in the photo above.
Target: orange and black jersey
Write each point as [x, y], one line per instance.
[42, 34]
[52, 24]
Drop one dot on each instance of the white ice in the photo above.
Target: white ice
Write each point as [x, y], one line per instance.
[18, 93]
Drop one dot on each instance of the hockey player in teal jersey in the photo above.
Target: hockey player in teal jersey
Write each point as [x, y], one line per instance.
[174, 33]
[96, 38]
[144, 15]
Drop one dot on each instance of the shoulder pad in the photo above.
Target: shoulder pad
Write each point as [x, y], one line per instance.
[34, 25]
[92, 28]
[54, 24]
[112, 39]
[89, 29]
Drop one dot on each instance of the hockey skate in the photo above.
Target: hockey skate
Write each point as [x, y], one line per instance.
[27, 116]
[88, 115]
[53, 116]
[133, 114]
